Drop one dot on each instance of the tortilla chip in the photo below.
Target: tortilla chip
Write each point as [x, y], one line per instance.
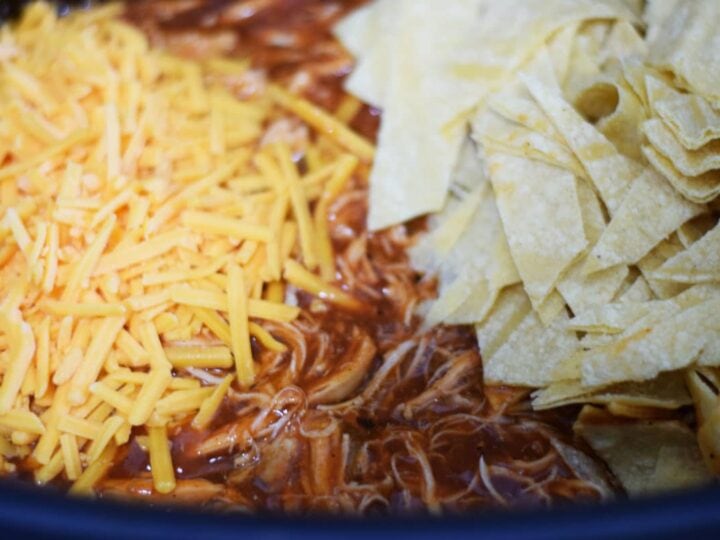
[446, 229]
[525, 112]
[695, 229]
[655, 259]
[509, 310]
[541, 216]
[651, 211]
[703, 394]
[688, 162]
[689, 116]
[560, 48]
[356, 31]
[624, 41]
[610, 318]
[610, 171]
[656, 11]
[581, 291]
[476, 269]
[585, 62]
[666, 391]
[621, 127]
[648, 351]
[423, 97]
[698, 264]
[368, 33]
[686, 44]
[647, 457]
[699, 189]
[639, 291]
[498, 133]
[584, 467]
[531, 353]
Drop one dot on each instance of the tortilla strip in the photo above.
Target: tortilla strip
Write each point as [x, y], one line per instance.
[560, 48]
[422, 99]
[541, 216]
[581, 291]
[369, 33]
[621, 126]
[689, 116]
[686, 44]
[699, 263]
[688, 162]
[643, 354]
[476, 269]
[610, 171]
[654, 260]
[666, 391]
[510, 309]
[498, 133]
[700, 189]
[639, 291]
[647, 457]
[651, 211]
[531, 353]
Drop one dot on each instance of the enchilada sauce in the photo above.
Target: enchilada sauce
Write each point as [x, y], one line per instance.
[414, 429]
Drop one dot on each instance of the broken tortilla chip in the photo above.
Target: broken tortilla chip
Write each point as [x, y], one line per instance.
[646, 456]
[650, 212]
[541, 216]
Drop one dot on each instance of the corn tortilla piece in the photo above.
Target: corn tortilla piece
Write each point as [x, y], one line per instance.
[690, 117]
[585, 468]
[624, 40]
[650, 212]
[413, 145]
[356, 31]
[531, 353]
[560, 48]
[619, 317]
[703, 394]
[496, 132]
[610, 171]
[476, 269]
[656, 11]
[638, 291]
[685, 45]
[666, 391]
[647, 457]
[509, 310]
[524, 111]
[370, 34]
[445, 227]
[695, 229]
[643, 354]
[656, 258]
[621, 122]
[688, 162]
[700, 189]
[541, 216]
[585, 58]
[697, 264]
[579, 290]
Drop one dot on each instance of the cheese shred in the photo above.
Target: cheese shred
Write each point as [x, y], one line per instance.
[147, 229]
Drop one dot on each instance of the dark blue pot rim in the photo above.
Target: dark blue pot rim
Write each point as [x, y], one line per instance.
[30, 512]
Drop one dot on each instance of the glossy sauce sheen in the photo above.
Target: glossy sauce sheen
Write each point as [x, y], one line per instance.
[426, 437]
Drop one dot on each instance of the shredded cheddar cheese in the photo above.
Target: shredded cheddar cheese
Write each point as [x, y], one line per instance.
[146, 233]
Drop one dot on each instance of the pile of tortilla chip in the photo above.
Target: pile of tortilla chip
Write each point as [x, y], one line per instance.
[568, 152]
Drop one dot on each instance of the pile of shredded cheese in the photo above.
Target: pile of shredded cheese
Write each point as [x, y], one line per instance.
[144, 230]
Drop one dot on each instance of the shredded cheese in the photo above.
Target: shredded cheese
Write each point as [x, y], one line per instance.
[146, 231]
